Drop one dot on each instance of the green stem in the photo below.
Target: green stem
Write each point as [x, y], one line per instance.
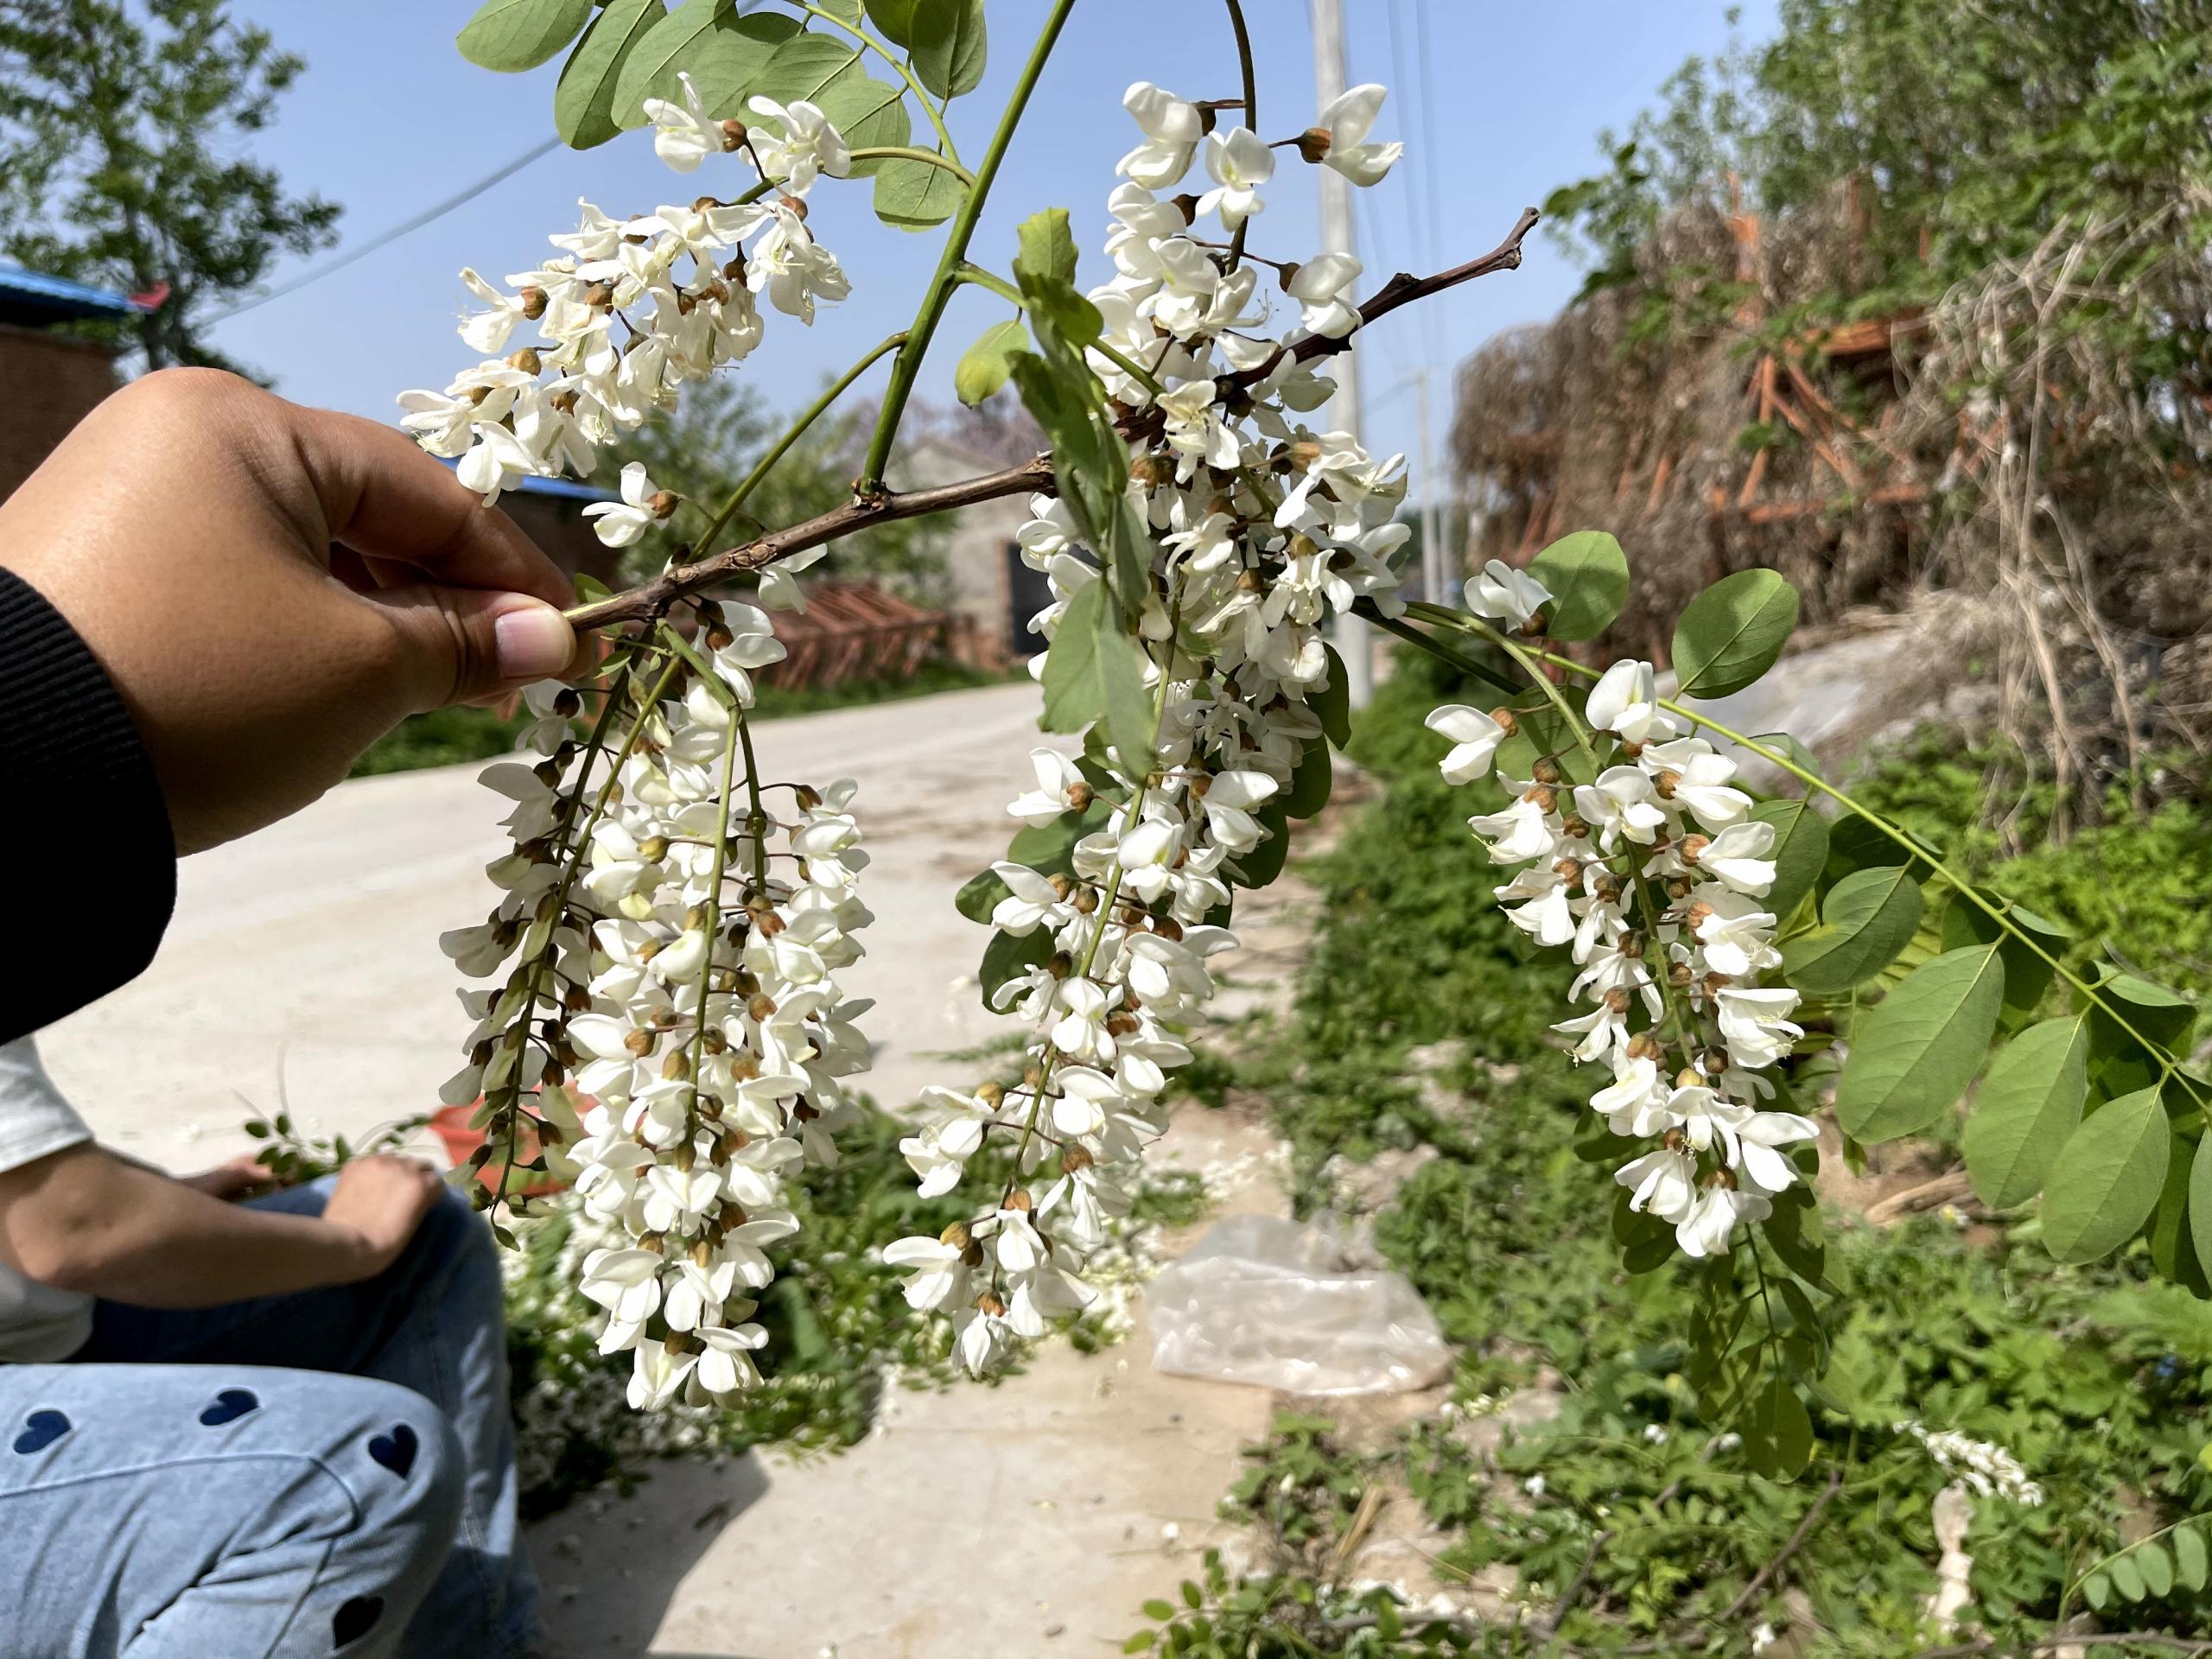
[1913, 849]
[814, 412]
[907, 365]
[756, 818]
[906, 73]
[568, 879]
[1680, 1017]
[1442, 652]
[1111, 890]
[908, 153]
[975, 274]
[714, 904]
[1251, 110]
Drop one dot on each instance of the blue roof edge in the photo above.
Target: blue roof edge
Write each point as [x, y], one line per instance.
[64, 298]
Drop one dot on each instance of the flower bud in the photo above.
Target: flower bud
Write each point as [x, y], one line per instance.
[661, 503]
[1693, 846]
[1062, 885]
[533, 303]
[1187, 204]
[1314, 143]
[687, 1158]
[990, 1094]
[1546, 771]
[527, 360]
[744, 1065]
[1019, 1201]
[808, 798]
[1545, 797]
[1645, 1046]
[762, 1006]
[956, 1237]
[639, 1043]
[1080, 795]
[675, 1066]
[1076, 1159]
[990, 1303]
[600, 296]
[1060, 965]
[1715, 1060]
[1631, 750]
[732, 134]
[1666, 783]
[1697, 915]
[1674, 1140]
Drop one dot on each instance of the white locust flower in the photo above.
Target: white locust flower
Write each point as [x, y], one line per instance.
[624, 523]
[1504, 594]
[682, 136]
[1239, 164]
[1172, 129]
[807, 147]
[1347, 119]
[1475, 737]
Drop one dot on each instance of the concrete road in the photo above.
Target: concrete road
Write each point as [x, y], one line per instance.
[303, 967]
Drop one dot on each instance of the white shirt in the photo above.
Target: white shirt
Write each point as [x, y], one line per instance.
[37, 1322]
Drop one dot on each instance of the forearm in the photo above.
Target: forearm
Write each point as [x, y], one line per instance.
[86, 1220]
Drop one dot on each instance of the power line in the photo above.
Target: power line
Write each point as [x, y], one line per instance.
[386, 238]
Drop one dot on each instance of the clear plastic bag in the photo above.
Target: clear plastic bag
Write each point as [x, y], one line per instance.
[1273, 1303]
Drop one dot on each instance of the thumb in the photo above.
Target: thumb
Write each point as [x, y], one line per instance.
[458, 645]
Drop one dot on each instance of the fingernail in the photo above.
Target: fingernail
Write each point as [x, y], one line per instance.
[531, 641]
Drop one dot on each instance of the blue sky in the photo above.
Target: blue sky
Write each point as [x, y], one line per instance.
[388, 118]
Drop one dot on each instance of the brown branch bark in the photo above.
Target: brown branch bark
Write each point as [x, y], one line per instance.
[653, 598]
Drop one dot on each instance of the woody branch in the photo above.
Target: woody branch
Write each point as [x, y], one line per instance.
[653, 598]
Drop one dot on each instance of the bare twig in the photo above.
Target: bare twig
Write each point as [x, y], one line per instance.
[653, 598]
[2159, 1639]
[1581, 1580]
[1781, 1556]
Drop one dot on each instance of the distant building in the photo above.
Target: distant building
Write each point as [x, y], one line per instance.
[51, 379]
[990, 593]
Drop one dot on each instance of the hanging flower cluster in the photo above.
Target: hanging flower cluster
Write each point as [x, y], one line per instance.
[1655, 874]
[678, 281]
[1260, 529]
[675, 948]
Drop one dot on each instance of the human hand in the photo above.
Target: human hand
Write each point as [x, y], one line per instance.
[272, 588]
[380, 1200]
[244, 1176]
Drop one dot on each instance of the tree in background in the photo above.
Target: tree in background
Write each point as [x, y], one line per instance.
[120, 127]
[712, 441]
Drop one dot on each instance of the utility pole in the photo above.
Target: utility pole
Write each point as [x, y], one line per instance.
[1354, 641]
[1435, 573]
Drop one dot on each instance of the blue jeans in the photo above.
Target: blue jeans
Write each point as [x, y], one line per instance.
[325, 1473]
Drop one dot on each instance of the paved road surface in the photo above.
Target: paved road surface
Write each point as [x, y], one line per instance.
[1027, 1519]
[303, 963]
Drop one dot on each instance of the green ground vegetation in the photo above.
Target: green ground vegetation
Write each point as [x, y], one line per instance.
[1630, 1521]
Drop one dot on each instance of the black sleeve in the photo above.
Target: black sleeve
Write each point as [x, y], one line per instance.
[83, 832]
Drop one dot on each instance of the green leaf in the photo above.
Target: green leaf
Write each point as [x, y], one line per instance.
[1096, 671]
[980, 895]
[2027, 974]
[832, 76]
[1866, 920]
[913, 195]
[1264, 862]
[511, 35]
[1309, 783]
[1143, 1640]
[1047, 251]
[1587, 574]
[2028, 1104]
[1192, 1597]
[1008, 957]
[2200, 1202]
[2189, 1561]
[583, 104]
[2156, 1566]
[1332, 704]
[1794, 1230]
[982, 367]
[895, 19]
[1777, 1432]
[1783, 744]
[2125, 1577]
[2106, 1177]
[589, 588]
[1800, 852]
[2096, 1590]
[1732, 632]
[1049, 848]
[723, 53]
[946, 46]
[1158, 1609]
[1914, 1054]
